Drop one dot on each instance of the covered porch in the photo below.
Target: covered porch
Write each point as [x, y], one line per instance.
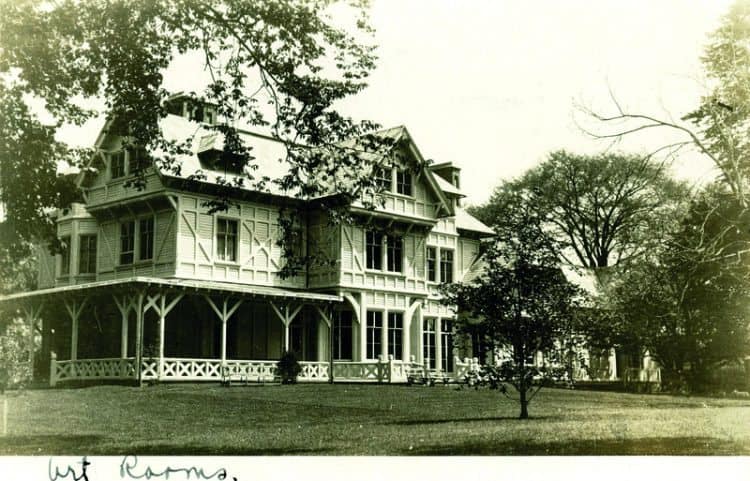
[151, 329]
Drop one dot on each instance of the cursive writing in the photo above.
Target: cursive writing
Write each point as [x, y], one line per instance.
[129, 468]
[56, 474]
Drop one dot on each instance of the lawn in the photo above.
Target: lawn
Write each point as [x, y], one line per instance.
[366, 419]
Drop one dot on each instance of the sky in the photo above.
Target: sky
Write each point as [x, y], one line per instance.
[492, 85]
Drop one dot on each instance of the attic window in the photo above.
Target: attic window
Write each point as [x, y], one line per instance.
[403, 182]
[383, 179]
[117, 164]
[204, 114]
[138, 158]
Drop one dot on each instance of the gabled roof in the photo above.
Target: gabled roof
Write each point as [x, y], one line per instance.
[269, 154]
[270, 157]
[466, 221]
[447, 187]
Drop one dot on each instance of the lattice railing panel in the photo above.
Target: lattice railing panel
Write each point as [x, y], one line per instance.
[314, 371]
[358, 371]
[86, 369]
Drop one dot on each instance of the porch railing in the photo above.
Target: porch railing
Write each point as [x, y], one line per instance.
[184, 369]
[85, 369]
[314, 371]
[463, 368]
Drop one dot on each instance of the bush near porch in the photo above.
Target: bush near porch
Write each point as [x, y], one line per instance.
[320, 419]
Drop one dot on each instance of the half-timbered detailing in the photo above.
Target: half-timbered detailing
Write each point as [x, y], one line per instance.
[239, 245]
[157, 287]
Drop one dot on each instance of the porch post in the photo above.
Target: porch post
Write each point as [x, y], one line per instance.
[406, 348]
[384, 336]
[74, 309]
[124, 335]
[139, 337]
[74, 340]
[162, 314]
[612, 364]
[286, 316]
[160, 306]
[223, 314]
[124, 307]
[326, 318]
[419, 328]
[363, 328]
[408, 319]
[32, 314]
[439, 344]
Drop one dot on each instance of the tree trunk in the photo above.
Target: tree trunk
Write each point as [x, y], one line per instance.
[524, 405]
[522, 398]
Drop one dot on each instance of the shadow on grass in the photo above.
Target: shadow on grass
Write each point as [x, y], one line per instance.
[48, 443]
[418, 422]
[197, 450]
[670, 446]
[73, 445]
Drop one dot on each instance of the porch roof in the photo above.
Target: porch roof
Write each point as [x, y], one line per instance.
[177, 284]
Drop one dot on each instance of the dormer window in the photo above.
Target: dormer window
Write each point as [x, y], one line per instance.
[403, 182]
[383, 179]
[117, 164]
[138, 158]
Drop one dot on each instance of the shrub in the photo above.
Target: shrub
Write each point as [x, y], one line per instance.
[288, 367]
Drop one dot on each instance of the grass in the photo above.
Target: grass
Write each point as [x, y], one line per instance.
[366, 419]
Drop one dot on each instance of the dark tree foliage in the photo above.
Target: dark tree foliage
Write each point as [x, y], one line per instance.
[601, 210]
[522, 303]
[278, 65]
[689, 304]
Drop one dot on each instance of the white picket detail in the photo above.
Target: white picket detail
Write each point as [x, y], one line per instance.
[314, 371]
[260, 371]
[87, 369]
[149, 369]
[191, 369]
[183, 369]
[367, 371]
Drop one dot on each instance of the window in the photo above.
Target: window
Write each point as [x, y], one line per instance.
[87, 254]
[394, 257]
[374, 250]
[383, 179]
[446, 345]
[374, 333]
[146, 239]
[65, 256]
[127, 242]
[377, 245]
[428, 342]
[403, 182]
[138, 158]
[342, 335]
[226, 240]
[395, 334]
[446, 265]
[431, 264]
[117, 164]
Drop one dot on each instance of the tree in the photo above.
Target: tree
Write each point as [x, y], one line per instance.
[277, 65]
[699, 288]
[687, 305]
[601, 209]
[719, 127]
[522, 303]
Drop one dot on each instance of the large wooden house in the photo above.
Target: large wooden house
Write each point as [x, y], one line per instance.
[152, 286]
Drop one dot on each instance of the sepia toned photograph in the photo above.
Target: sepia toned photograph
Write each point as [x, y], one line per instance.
[371, 228]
